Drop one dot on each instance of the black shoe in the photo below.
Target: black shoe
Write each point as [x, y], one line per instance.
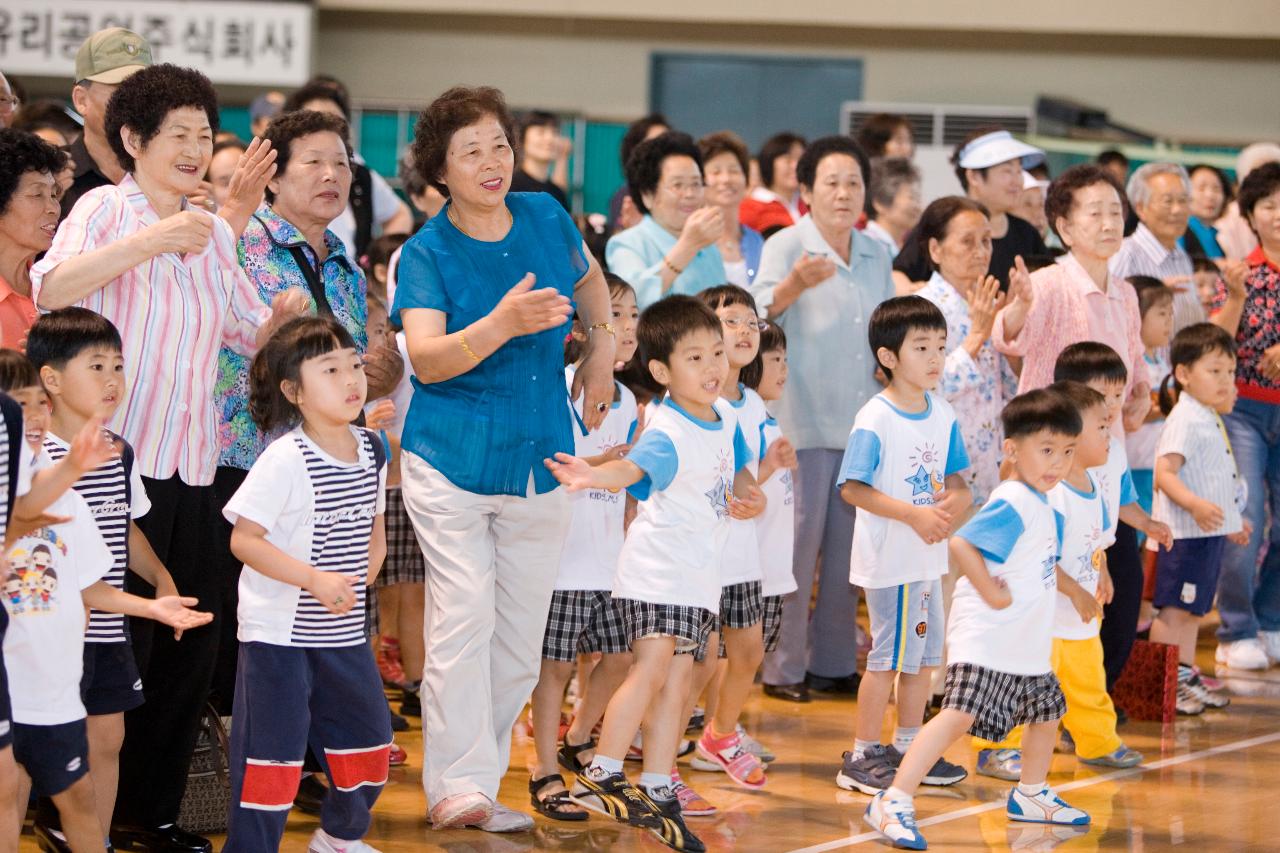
[789, 692]
[673, 832]
[48, 841]
[311, 794]
[398, 723]
[845, 685]
[162, 839]
[411, 704]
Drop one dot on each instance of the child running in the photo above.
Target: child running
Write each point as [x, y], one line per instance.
[689, 471]
[308, 524]
[1001, 631]
[901, 470]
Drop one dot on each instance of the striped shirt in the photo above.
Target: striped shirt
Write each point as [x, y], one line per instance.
[1142, 254]
[113, 505]
[174, 313]
[1196, 433]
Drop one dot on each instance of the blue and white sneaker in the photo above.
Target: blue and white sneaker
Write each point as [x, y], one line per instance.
[896, 821]
[1003, 764]
[1044, 807]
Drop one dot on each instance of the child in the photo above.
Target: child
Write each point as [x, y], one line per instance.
[376, 263]
[1204, 277]
[78, 356]
[901, 470]
[689, 472]
[1155, 303]
[999, 640]
[61, 567]
[584, 619]
[1199, 494]
[308, 524]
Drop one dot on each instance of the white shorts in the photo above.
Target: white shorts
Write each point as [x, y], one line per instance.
[906, 627]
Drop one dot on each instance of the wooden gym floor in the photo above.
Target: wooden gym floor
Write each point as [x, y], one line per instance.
[1203, 788]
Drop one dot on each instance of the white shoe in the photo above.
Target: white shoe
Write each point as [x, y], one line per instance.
[1243, 654]
[1044, 807]
[1271, 644]
[504, 819]
[323, 842]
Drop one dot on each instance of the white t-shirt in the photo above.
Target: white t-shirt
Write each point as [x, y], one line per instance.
[1140, 445]
[741, 560]
[44, 644]
[1020, 535]
[594, 540]
[1196, 433]
[776, 526]
[113, 511]
[1116, 484]
[674, 546]
[1086, 520]
[906, 456]
[318, 510]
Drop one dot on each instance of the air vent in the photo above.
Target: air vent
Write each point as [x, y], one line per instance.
[941, 124]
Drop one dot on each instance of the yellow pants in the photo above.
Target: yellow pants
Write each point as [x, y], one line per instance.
[1091, 718]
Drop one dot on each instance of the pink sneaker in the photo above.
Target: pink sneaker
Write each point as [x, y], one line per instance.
[742, 767]
[461, 810]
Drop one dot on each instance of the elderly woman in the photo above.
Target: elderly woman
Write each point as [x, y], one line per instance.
[820, 280]
[725, 163]
[776, 203]
[673, 249]
[483, 297]
[1210, 195]
[893, 202]
[28, 216]
[168, 277]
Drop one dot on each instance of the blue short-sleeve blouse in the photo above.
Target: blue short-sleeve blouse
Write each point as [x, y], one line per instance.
[489, 429]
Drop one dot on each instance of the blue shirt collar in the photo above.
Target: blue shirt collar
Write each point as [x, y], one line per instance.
[718, 423]
[911, 416]
[1086, 495]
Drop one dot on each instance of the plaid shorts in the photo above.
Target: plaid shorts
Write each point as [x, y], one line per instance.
[404, 563]
[741, 605]
[999, 701]
[581, 622]
[690, 625]
[772, 621]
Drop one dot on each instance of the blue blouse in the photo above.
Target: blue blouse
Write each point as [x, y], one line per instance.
[489, 429]
[1207, 234]
[752, 248]
[636, 256]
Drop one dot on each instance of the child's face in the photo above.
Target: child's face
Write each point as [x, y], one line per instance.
[1157, 325]
[919, 360]
[379, 327]
[1206, 287]
[92, 383]
[741, 334]
[625, 316]
[1041, 459]
[35, 414]
[1114, 394]
[697, 368]
[1210, 379]
[1095, 439]
[333, 387]
[773, 375]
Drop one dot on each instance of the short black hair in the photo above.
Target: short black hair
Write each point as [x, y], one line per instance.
[1039, 410]
[772, 339]
[318, 90]
[229, 142]
[1189, 346]
[1090, 361]
[59, 336]
[894, 318]
[664, 323]
[878, 128]
[636, 133]
[1111, 155]
[575, 349]
[1257, 185]
[773, 148]
[936, 220]
[22, 152]
[1203, 263]
[1061, 195]
[289, 126]
[47, 113]
[961, 171]
[17, 372]
[724, 295]
[644, 167]
[1081, 396]
[280, 360]
[1151, 292]
[820, 149]
[537, 118]
[143, 101]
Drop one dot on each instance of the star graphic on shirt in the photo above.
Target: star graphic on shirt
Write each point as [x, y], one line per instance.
[718, 495]
[921, 482]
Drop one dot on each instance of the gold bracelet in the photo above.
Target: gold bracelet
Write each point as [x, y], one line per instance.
[675, 269]
[462, 339]
[607, 327]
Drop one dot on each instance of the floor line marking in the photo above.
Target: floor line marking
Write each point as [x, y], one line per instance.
[1075, 785]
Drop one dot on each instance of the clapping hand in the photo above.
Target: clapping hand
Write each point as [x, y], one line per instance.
[92, 447]
[525, 311]
[381, 415]
[175, 612]
[813, 270]
[255, 168]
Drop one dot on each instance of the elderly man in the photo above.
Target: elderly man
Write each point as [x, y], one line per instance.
[1161, 194]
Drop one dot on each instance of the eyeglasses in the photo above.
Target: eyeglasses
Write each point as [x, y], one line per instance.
[736, 323]
[680, 188]
[1169, 202]
[8, 102]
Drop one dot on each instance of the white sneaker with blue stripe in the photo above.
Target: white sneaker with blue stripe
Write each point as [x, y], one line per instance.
[896, 821]
[1044, 807]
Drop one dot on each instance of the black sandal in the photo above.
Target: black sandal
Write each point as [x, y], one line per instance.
[567, 755]
[555, 806]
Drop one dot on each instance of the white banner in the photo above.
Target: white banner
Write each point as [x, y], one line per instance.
[255, 43]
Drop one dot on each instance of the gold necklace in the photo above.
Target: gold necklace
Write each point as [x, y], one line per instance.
[456, 224]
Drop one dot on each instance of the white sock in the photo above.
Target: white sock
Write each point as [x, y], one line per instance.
[897, 795]
[902, 738]
[602, 766]
[860, 747]
[1030, 790]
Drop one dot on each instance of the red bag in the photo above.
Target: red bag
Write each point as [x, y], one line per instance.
[1148, 687]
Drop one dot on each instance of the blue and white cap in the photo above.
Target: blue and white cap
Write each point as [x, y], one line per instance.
[992, 149]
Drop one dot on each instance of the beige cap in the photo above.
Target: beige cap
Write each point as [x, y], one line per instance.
[112, 56]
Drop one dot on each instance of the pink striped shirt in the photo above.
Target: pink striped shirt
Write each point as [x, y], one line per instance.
[1067, 308]
[173, 313]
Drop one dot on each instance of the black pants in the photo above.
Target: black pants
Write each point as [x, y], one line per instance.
[161, 735]
[225, 484]
[1120, 617]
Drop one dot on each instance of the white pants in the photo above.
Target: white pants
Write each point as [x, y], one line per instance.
[491, 568]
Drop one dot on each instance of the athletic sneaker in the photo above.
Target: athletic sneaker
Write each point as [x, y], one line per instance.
[1210, 698]
[1271, 644]
[1044, 807]
[870, 774]
[673, 832]
[896, 821]
[692, 804]
[323, 842]
[1188, 703]
[1243, 654]
[1066, 743]
[1003, 764]
[754, 746]
[941, 774]
[1122, 757]
[742, 767]
[614, 796]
